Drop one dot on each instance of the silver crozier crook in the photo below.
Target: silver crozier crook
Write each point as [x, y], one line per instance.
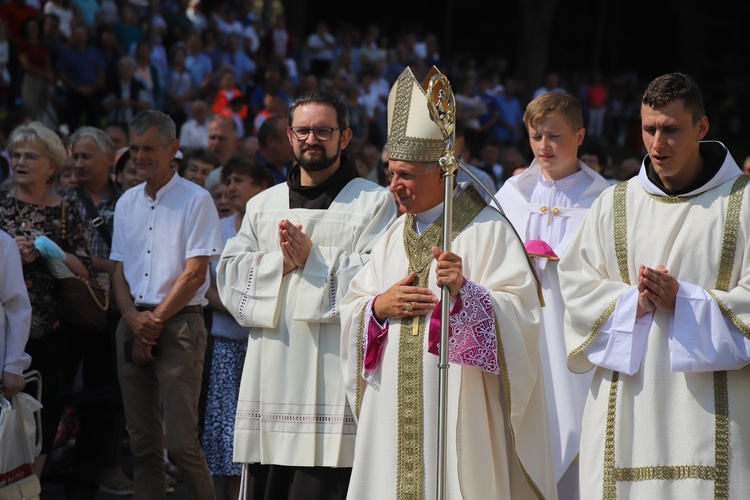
[442, 106]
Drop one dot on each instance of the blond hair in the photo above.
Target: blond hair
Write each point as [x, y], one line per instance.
[38, 135]
[550, 103]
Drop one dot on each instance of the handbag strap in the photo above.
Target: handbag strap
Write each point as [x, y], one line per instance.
[98, 221]
[63, 234]
[63, 223]
[101, 306]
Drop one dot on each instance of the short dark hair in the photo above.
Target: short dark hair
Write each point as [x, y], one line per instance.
[251, 167]
[321, 96]
[24, 29]
[268, 129]
[597, 148]
[121, 161]
[673, 86]
[200, 153]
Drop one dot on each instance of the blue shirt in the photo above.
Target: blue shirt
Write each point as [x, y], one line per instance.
[256, 98]
[198, 66]
[511, 111]
[81, 68]
[89, 9]
[241, 64]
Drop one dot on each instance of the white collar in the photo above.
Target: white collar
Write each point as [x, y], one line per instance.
[424, 219]
[728, 171]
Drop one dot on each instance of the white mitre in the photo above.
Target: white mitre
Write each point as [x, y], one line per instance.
[412, 134]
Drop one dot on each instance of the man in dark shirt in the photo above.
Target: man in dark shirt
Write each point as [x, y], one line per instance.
[81, 69]
[274, 149]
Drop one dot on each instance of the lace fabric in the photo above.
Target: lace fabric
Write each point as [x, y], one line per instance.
[471, 337]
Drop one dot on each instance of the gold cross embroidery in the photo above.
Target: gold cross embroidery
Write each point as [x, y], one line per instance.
[550, 213]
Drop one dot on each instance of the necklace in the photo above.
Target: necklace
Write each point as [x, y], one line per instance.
[28, 213]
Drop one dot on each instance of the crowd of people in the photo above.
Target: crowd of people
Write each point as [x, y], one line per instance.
[72, 62]
[265, 210]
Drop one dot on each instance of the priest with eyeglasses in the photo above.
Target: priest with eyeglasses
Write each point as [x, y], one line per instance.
[284, 275]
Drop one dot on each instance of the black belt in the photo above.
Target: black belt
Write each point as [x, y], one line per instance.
[184, 310]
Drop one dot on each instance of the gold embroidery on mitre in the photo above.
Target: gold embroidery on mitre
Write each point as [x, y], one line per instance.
[412, 135]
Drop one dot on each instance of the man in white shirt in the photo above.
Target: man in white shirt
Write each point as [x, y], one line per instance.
[165, 232]
[320, 46]
[194, 132]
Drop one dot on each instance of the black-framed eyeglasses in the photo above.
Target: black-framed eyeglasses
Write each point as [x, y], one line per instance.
[320, 133]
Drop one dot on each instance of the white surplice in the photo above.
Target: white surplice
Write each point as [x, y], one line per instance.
[552, 211]
[497, 443]
[292, 407]
[659, 421]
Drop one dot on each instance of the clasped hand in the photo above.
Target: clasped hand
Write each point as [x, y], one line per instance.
[295, 245]
[657, 290]
[147, 327]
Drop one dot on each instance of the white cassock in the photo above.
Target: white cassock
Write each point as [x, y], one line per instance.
[497, 443]
[552, 211]
[668, 414]
[292, 407]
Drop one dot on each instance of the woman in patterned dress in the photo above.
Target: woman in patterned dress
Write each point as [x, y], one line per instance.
[244, 179]
[30, 209]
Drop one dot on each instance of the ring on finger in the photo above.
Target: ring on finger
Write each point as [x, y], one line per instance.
[408, 307]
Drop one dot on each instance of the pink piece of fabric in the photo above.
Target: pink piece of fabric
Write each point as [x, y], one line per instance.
[374, 339]
[471, 338]
[433, 342]
[471, 335]
[540, 248]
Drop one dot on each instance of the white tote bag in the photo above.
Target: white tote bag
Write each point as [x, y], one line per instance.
[17, 443]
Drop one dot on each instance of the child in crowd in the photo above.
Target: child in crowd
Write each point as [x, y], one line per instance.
[546, 204]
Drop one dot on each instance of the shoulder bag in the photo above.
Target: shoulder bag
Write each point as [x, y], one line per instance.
[84, 302]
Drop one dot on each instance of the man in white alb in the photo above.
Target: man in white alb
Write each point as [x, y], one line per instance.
[285, 275]
[655, 285]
